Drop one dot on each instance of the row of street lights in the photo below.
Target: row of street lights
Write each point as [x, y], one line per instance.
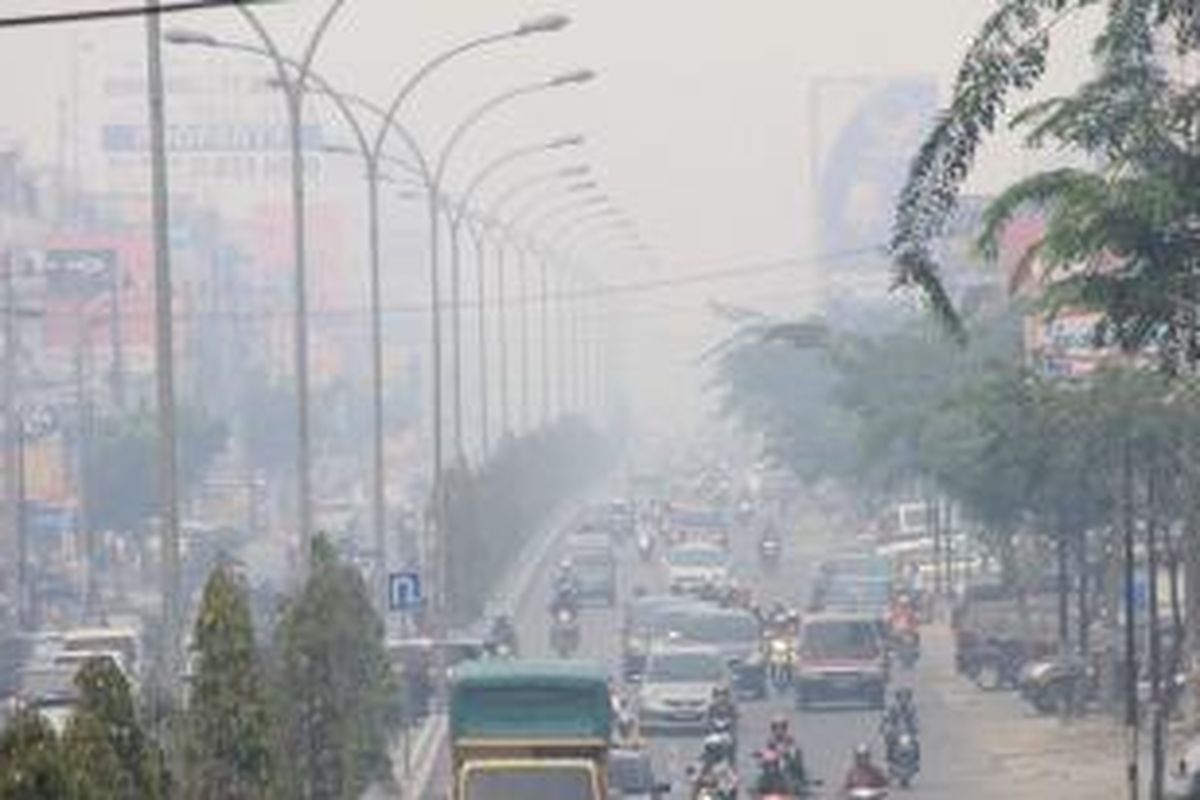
[297, 78]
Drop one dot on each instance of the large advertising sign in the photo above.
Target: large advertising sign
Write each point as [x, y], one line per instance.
[868, 160]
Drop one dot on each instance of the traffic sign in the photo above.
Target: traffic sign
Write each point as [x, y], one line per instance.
[404, 590]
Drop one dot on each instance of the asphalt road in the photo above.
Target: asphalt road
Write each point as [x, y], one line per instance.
[827, 735]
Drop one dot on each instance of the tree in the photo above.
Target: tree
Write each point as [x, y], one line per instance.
[94, 770]
[1139, 125]
[227, 724]
[31, 766]
[105, 695]
[121, 473]
[333, 686]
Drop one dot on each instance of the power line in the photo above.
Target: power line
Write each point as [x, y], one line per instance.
[122, 12]
[644, 287]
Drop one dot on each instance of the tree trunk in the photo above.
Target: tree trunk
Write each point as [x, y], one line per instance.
[1083, 612]
[1191, 559]
[1157, 718]
[1063, 590]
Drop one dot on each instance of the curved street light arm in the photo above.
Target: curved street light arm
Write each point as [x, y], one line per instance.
[585, 206]
[471, 120]
[516, 190]
[304, 64]
[414, 80]
[490, 169]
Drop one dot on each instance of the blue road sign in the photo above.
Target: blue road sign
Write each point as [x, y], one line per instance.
[404, 590]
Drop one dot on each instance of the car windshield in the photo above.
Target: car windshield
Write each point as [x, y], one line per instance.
[529, 783]
[717, 628]
[841, 639]
[696, 558]
[630, 772]
[685, 667]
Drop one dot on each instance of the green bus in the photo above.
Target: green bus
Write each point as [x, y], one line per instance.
[535, 730]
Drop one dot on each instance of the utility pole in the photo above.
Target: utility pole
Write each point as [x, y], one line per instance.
[168, 489]
[83, 421]
[545, 297]
[116, 342]
[11, 433]
[25, 599]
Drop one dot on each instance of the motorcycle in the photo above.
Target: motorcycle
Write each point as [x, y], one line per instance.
[645, 545]
[775, 783]
[994, 665]
[1057, 685]
[713, 786]
[564, 633]
[904, 759]
[769, 551]
[781, 655]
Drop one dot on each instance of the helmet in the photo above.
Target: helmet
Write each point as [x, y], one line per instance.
[720, 692]
[904, 695]
[862, 754]
[564, 565]
[779, 724]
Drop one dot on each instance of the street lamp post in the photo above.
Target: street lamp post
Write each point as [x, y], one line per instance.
[294, 89]
[342, 102]
[458, 216]
[583, 204]
[492, 219]
[544, 24]
[511, 229]
[443, 161]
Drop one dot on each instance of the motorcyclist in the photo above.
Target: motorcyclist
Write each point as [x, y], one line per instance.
[781, 742]
[902, 617]
[722, 705]
[715, 770]
[566, 589]
[502, 635]
[899, 718]
[863, 773]
[901, 715]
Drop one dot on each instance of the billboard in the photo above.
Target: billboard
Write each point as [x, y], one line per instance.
[867, 163]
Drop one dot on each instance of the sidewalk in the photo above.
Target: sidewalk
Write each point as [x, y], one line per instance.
[1001, 748]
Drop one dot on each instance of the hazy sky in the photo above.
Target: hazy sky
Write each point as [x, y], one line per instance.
[698, 126]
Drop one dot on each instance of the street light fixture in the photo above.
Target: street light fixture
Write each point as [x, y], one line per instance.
[547, 23]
